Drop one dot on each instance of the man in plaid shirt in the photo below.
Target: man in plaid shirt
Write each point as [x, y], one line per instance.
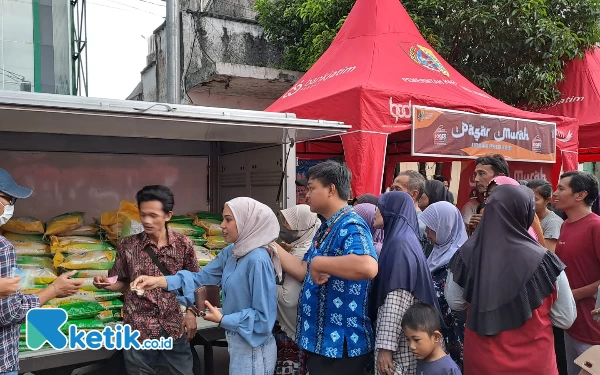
[13, 303]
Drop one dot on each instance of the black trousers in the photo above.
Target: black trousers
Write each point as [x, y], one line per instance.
[559, 348]
[320, 365]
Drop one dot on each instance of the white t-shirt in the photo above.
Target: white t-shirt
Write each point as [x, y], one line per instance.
[469, 209]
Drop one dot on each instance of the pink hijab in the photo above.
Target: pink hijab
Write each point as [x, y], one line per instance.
[503, 180]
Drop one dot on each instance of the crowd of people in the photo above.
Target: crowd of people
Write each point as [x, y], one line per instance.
[401, 284]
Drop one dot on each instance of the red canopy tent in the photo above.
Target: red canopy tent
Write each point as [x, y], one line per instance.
[581, 99]
[377, 67]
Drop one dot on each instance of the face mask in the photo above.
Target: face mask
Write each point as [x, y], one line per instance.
[8, 213]
[288, 236]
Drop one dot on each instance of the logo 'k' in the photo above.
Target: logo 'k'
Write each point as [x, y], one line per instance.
[43, 326]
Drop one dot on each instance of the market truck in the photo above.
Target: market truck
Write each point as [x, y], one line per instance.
[89, 155]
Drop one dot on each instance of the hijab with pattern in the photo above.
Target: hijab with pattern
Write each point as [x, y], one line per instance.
[300, 218]
[367, 212]
[257, 227]
[446, 221]
[505, 273]
[402, 264]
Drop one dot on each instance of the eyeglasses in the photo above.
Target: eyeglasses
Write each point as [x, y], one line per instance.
[11, 200]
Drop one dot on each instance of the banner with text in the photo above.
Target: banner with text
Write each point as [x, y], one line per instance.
[462, 135]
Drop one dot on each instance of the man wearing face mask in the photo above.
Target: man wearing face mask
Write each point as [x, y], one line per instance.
[14, 305]
[298, 230]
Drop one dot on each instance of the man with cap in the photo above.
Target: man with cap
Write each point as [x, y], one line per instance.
[14, 305]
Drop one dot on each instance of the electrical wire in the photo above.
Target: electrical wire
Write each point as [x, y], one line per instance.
[150, 2]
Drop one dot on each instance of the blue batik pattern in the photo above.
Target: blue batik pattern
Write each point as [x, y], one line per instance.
[337, 311]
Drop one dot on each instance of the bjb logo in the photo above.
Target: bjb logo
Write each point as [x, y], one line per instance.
[44, 326]
[399, 111]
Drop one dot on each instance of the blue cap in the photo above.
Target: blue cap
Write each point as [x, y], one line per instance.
[10, 187]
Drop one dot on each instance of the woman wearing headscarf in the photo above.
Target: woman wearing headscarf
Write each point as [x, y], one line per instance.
[446, 231]
[367, 212]
[246, 271]
[435, 191]
[299, 228]
[513, 289]
[403, 279]
[536, 227]
[365, 198]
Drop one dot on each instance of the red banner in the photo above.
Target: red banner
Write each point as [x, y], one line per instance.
[449, 133]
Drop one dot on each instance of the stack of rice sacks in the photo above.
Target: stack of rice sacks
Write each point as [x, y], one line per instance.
[185, 225]
[211, 223]
[63, 244]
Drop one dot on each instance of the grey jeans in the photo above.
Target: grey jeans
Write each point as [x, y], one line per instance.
[144, 362]
[574, 349]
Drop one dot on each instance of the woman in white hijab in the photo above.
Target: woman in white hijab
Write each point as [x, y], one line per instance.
[446, 231]
[299, 228]
[246, 271]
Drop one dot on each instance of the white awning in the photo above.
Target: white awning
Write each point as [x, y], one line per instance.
[59, 114]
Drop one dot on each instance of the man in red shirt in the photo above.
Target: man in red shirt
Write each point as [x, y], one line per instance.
[155, 313]
[579, 248]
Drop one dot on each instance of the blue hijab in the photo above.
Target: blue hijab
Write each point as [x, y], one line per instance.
[402, 264]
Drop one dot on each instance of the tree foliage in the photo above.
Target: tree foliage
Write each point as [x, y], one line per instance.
[513, 49]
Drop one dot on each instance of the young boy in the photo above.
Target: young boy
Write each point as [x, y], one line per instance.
[421, 325]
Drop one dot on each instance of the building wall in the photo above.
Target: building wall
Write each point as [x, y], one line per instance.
[17, 48]
[35, 45]
[229, 101]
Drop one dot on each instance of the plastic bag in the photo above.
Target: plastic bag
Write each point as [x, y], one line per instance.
[86, 230]
[24, 238]
[203, 255]
[80, 310]
[115, 304]
[216, 242]
[85, 296]
[24, 225]
[72, 240]
[110, 316]
[93, 260]
[83, 324]
[26, 260]
[26, 278]
[186, 229]
[208, 215]
[65, 223]
[131, 228]
[34, 288]
[210, 226]
[197, 241]
[40, 274]
[113, 221]
[77, 248]
[182, 220]
[84, 274]
[31, 248]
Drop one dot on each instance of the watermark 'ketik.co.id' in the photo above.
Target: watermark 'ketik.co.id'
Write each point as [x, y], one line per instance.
[44, 326]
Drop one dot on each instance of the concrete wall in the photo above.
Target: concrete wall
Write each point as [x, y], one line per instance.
[228, 101]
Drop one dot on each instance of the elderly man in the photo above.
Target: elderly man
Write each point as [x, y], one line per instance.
[413, 183]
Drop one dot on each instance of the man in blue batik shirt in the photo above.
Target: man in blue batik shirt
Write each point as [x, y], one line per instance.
[333, 321]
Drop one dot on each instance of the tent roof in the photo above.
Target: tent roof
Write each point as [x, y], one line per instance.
[377, 66]
[581, 97]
